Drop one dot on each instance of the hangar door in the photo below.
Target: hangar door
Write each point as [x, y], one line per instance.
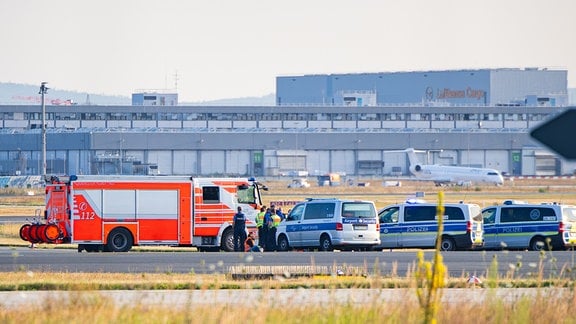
[291, 160]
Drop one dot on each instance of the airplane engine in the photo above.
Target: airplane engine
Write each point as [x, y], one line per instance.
[416, 169]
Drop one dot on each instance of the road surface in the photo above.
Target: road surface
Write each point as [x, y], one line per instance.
[386, 263]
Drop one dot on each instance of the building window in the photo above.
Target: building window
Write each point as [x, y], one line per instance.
[143, 116]
[169, 116]
[368, 117]
[194, 116]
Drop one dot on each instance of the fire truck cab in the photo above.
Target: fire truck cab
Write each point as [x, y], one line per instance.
[114, 213]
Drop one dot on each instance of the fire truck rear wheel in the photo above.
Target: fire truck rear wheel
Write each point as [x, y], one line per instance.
[119, 240]
[227, 243]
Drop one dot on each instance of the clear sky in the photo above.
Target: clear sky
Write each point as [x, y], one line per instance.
[231, 48]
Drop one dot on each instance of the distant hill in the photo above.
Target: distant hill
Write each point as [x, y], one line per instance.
[26, 94]
[267, 100]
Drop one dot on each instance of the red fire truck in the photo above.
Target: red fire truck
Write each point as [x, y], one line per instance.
[114, 213]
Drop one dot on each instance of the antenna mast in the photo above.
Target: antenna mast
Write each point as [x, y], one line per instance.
[176, 81]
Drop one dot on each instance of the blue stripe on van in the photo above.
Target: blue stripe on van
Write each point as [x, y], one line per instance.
[529, 227]
[310, 227]
[420, 227]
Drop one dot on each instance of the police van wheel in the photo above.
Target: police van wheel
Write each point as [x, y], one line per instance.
[283, 244]
[447, 244]
[119, 240]
[325, 243]
[538, 243]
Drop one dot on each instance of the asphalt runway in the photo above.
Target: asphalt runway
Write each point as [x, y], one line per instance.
[387, 263]
[15, 219]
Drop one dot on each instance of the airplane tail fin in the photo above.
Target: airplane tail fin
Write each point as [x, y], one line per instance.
[412, 158]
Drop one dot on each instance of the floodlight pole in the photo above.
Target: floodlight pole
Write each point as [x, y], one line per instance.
[43, 90]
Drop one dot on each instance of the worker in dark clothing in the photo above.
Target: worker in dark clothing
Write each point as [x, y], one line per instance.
[280, 213]
[239, 224]
[271, 217]
[266, 231]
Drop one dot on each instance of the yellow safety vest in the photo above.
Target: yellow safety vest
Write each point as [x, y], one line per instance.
[276, 220]
[260, 219]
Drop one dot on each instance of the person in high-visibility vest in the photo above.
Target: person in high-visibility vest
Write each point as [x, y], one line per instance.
[276, 219]
[260, 226]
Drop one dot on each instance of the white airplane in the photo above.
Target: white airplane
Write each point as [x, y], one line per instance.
[445, 174]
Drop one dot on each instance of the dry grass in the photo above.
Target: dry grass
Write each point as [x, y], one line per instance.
[9, 235]
[19, 202]
[93, 308]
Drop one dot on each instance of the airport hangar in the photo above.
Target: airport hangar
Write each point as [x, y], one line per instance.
[269, 141]
[485, 87]
[353, 136]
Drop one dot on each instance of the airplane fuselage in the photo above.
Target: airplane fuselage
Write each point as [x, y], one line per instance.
[456, 174]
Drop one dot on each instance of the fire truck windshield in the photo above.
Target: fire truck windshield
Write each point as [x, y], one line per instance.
[246, 195]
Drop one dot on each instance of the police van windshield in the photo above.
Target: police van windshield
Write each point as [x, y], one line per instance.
[358, 210]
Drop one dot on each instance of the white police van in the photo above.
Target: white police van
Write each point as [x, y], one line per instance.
[329, 223]
[520, 225]
[414, 224]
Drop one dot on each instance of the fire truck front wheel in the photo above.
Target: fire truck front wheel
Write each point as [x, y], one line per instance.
[119, 240]
[227, 243]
